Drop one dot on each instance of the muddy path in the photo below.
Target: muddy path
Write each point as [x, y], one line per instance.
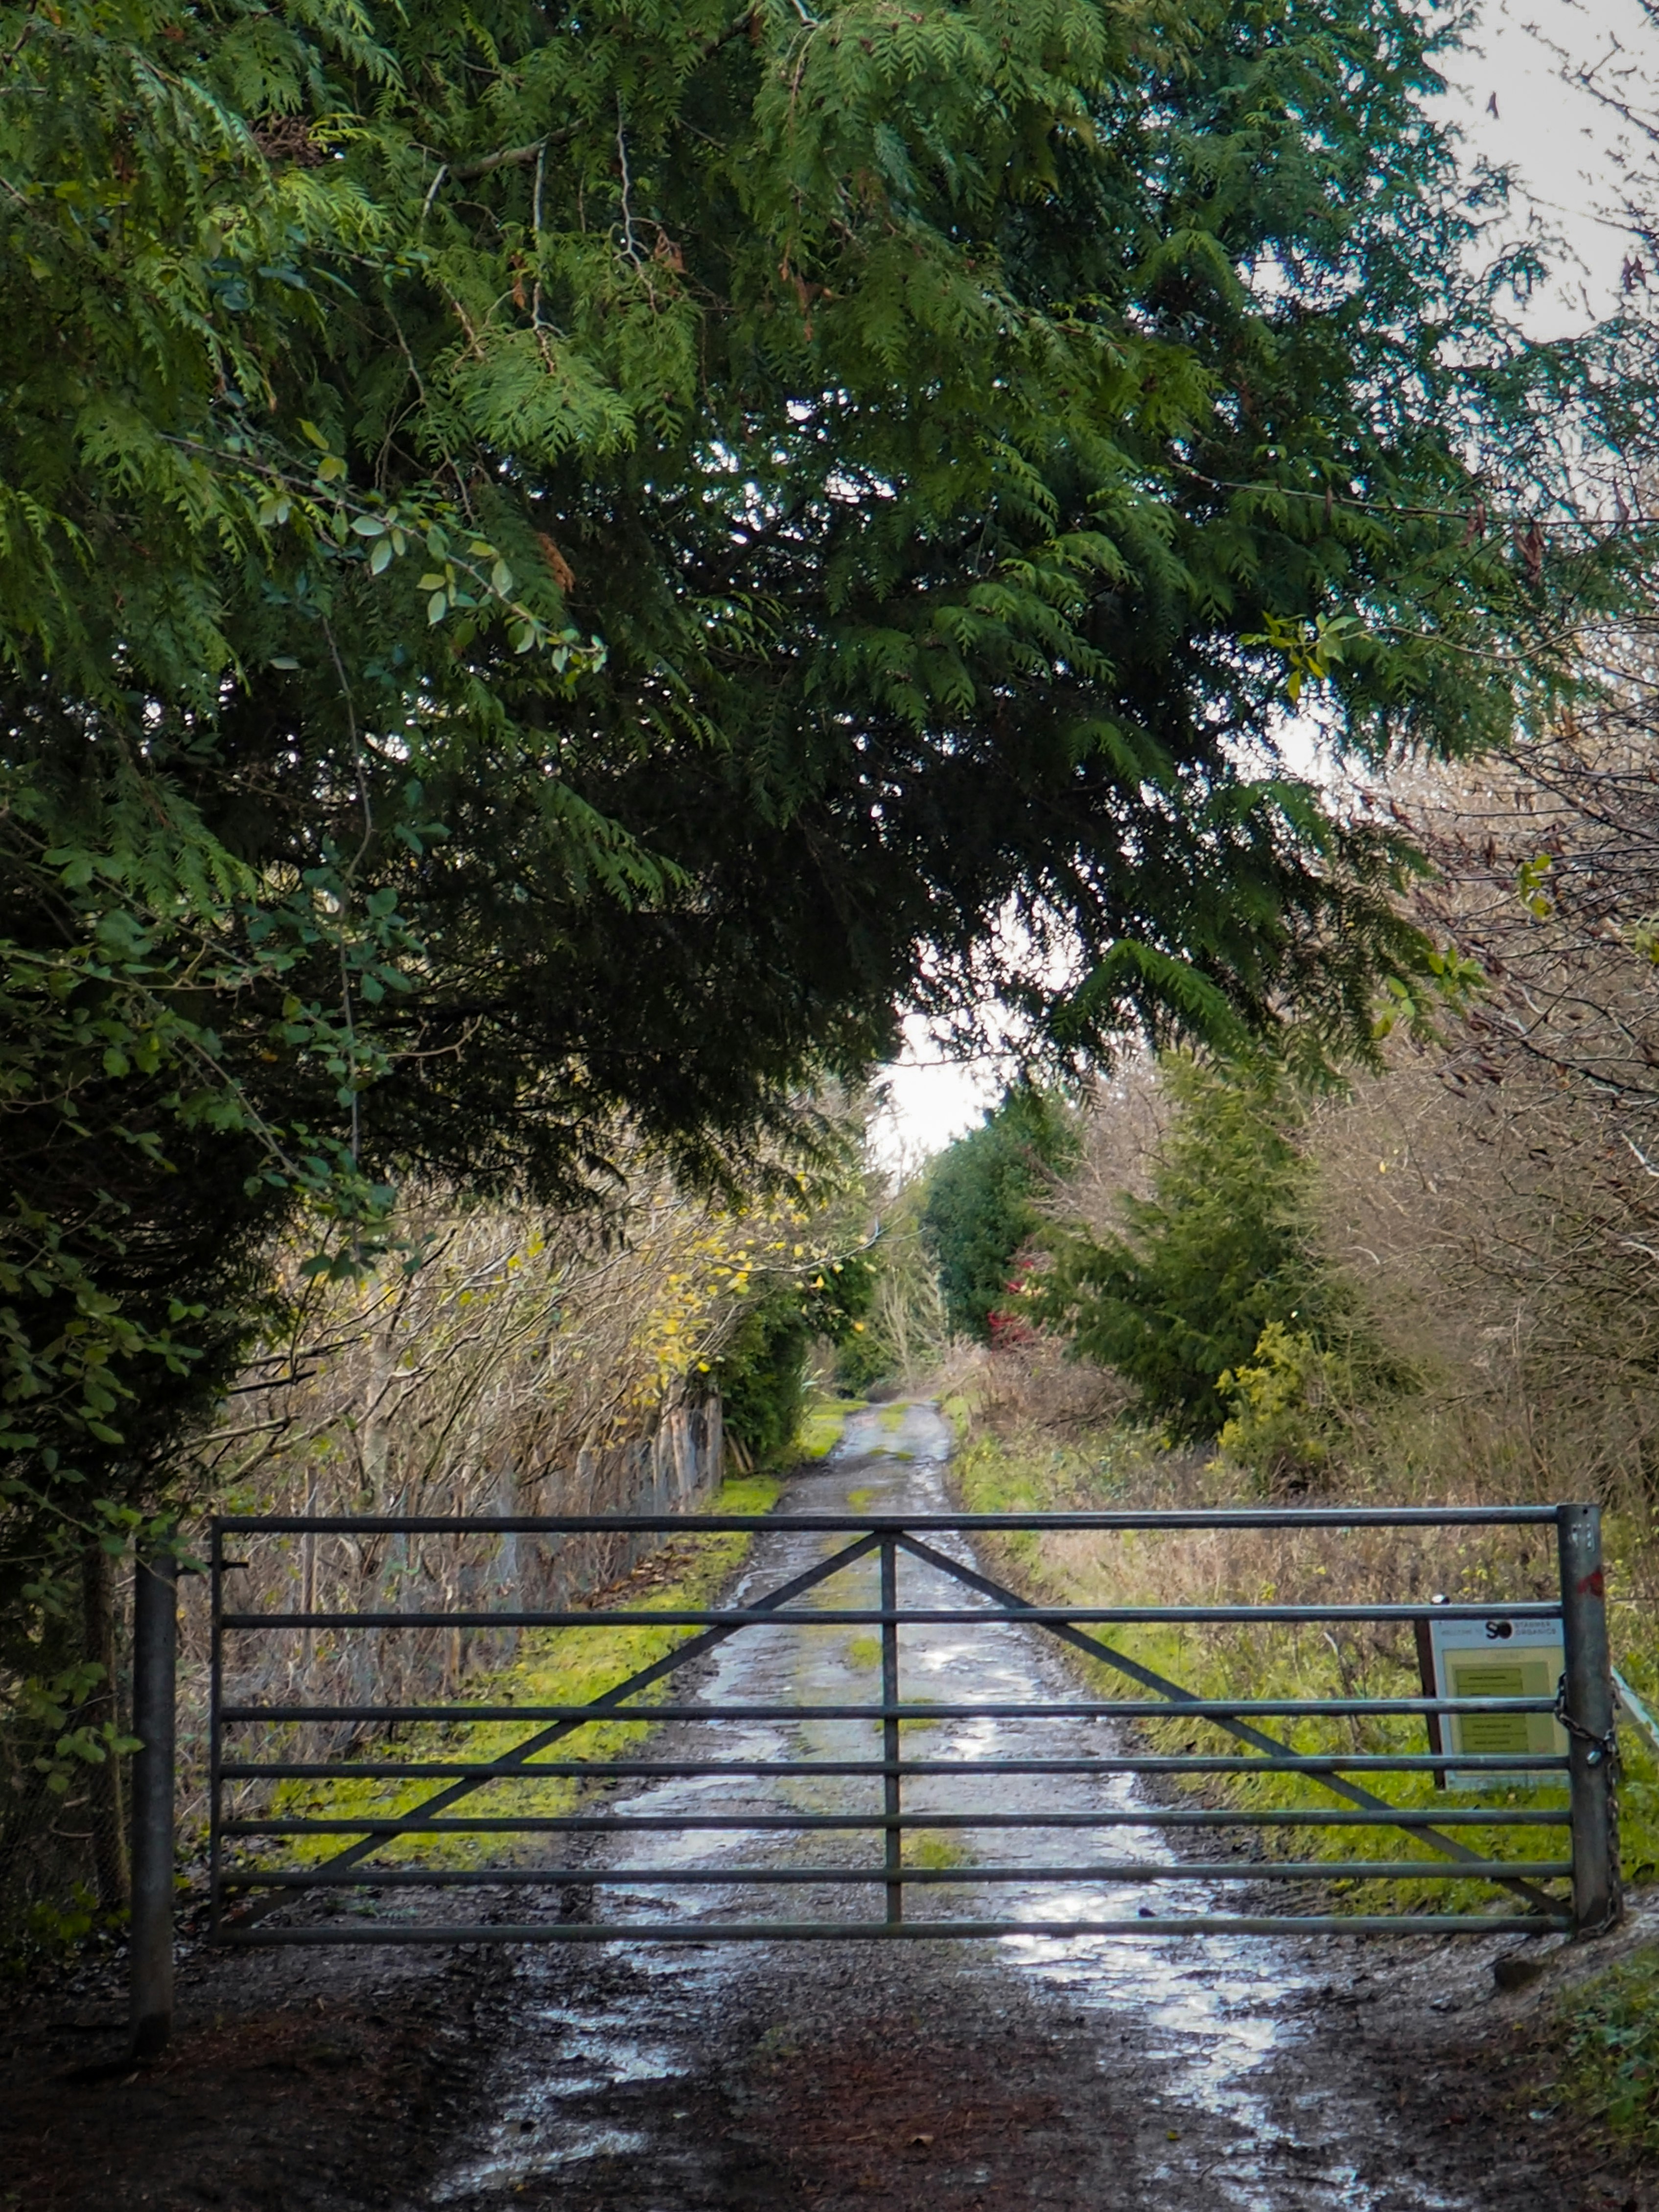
[1085, 2072]
[1188, 2074]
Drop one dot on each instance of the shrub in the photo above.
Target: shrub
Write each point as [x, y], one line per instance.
[762, 1370]
[1612, 2054]
[1285, 1423]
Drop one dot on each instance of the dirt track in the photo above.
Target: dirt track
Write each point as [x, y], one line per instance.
[1372, 2074]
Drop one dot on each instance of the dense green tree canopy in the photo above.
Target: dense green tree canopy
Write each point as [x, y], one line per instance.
[559, 563]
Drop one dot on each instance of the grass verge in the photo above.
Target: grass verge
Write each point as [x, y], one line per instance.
[1119, 1467]
[556, 1666]
[1610, 2053]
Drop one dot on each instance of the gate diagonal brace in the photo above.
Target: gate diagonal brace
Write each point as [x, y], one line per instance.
[603, 1707]
[1257, 1738]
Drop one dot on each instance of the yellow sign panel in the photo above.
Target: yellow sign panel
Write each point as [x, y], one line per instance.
[1499, 1658]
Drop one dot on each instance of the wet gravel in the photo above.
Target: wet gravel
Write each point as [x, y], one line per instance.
[1067, 2071]
[1188, 2073]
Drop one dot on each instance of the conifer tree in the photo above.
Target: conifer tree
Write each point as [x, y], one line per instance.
[982, 1201]
[1219, 1252]
[559, 564]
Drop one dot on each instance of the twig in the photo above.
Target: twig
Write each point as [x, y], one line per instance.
[536, 237]
[630, 251]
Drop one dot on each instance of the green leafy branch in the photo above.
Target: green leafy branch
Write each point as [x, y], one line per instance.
[468, 574]
[1531, 881]
[1449, 984]
[1311, 649]
[48, 1708]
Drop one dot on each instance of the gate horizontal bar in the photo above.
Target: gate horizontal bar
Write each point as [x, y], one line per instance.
[1128, 1708]
[870, 1616]
[1312, 1762]
[377, 1879]
[1085, 1709]
[1458, 1816]
[1125, 1870]
[370, 1823]
[550, 1824]
[692, 1524]
[607, 1768]
[883, 1931]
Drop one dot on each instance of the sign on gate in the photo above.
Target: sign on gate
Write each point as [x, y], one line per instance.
[1499, 1656]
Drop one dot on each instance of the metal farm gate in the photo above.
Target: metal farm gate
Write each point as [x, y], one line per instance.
[303, 1791]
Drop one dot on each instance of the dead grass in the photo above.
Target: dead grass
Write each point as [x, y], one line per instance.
[1031, 1390]
[1007, 1462]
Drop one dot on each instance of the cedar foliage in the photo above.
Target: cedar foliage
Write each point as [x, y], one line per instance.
[560, 570]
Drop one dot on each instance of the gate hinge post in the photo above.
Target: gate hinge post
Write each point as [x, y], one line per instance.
[1587, 1709]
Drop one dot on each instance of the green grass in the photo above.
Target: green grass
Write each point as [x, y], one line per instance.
[935, 1853]
[1636, 1654]
[822, 1425]
[958, 1410]
[1610, 2072]
[556, 1666]
[864, 1651]
[916, 1726]
[892, 1418]
[1607, 2031]
[1270, 1661]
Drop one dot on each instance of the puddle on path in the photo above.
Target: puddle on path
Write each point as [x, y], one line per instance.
[1212, 2028]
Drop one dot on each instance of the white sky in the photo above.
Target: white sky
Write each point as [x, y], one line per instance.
[930, 1100]
[1563, 147]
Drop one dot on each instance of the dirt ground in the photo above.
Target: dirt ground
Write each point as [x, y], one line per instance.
[1191, 2073]
[360, 2081]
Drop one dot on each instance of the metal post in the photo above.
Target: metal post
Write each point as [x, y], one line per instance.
[1426, 1675]
[1587, 1708]
[155, 1633]
[216, 1731]
[890, 1727]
